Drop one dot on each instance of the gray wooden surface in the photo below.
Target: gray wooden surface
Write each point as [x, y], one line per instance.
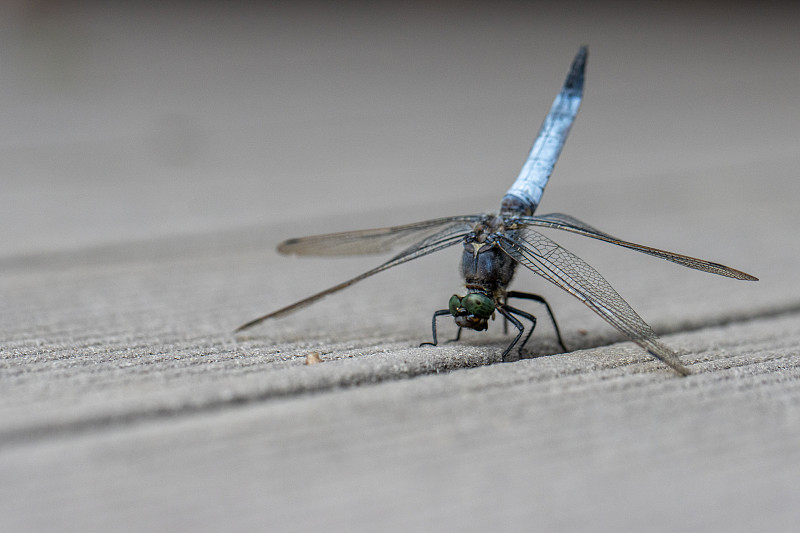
[153, 158]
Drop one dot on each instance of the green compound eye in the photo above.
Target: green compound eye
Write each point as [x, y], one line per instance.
[478, 304]
[454, 304]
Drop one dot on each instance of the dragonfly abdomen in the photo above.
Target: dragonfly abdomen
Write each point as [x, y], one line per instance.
[525, 194]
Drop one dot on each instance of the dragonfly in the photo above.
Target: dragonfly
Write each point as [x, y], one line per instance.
[495, 244]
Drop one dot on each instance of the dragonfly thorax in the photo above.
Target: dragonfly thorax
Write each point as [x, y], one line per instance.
[484, 265]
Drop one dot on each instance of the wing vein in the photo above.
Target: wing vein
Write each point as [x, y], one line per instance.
[571, 224]
[448, 236]
[567, 271]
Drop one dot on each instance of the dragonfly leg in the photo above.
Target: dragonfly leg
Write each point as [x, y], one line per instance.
[437, 314]
[458, 335]
[537, 298]
[506, 312]
[505, 320]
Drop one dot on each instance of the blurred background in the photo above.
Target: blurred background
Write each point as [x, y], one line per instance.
[124, 121]
[169, 146]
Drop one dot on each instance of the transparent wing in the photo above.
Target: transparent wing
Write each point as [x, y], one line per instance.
[569, 272]
[447, 235]
[371, 241]
[568, 223]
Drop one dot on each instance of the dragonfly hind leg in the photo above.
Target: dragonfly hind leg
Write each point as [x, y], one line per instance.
[506, 311]
[540, 299]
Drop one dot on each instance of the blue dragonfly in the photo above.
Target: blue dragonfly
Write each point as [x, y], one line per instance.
[494, 244]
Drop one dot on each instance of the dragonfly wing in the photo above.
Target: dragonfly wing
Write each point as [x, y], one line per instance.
[569, 272]
[371, 241]
[568, 223]
[561, 219]
[446, 236]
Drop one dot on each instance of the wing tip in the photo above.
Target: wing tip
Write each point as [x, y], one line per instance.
[671, 360]
[248, 325]
[285, 247]
[733, 273]
[681, 370]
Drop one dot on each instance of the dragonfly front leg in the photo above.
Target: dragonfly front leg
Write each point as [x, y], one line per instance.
[540, 299]
[437, 314]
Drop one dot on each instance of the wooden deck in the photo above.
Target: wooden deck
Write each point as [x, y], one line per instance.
[146, 186]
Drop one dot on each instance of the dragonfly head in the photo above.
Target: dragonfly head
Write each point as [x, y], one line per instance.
[472, 311]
